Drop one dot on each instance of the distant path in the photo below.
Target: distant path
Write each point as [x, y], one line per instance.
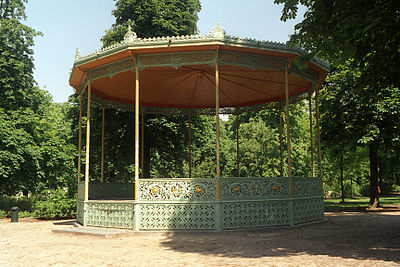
[346, 239]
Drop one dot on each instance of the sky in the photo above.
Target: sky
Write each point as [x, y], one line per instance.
[68, 24]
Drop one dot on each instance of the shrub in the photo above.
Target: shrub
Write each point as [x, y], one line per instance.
[23, 203]
[3, 214]
[55, 205]
[395, 188]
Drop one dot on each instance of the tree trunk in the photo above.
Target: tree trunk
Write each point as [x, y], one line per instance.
[373, 163]
[351, 187]
[341, 175]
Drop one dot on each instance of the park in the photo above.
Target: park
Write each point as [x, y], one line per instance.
[205, 147]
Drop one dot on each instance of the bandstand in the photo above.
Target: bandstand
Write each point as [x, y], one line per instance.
[209, 74]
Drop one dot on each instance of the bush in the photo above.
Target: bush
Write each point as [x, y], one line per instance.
[55, 205]
[3, 214]
[395, 188]
[23, 203]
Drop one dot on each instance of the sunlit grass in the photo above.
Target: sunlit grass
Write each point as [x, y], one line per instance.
[360, 202]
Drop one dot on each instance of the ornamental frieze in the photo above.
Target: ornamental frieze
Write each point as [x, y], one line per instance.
[111, 69]
[176, 60]
[252, 61]
[305, 74]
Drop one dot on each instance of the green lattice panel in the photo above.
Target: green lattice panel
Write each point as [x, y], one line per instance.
[80, 212]
[112, 190]
[178, 189]
[255, 214]
[177, 216]
[254, 188]
[308, 209]
[81, 191]
[116, 215]
[307, 187]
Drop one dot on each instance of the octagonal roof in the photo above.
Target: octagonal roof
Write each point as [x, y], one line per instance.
[179, 72]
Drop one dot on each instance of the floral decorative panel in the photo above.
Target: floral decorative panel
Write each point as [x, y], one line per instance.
[254, 188]
[307, 187]
[178, 189]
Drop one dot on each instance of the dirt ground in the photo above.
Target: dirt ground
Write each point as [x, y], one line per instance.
[345, 239]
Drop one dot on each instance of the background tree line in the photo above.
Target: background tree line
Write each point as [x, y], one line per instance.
[359, 107]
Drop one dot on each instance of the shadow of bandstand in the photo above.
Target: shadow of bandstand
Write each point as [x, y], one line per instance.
[364, 236]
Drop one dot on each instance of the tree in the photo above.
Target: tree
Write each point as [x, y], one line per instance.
[34, 153]
[17, 85]
[363, 30]
[364, 34]
[155, 18]
[351, 117]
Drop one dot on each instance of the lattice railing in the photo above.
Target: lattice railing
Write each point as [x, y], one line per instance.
[193, 203]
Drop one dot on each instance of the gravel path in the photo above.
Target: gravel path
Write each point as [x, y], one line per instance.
[346, 239]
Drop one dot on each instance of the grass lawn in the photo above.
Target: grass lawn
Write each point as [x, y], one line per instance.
[358, 203]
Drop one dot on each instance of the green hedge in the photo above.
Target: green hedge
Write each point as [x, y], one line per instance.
[55, 205]
[51, 204]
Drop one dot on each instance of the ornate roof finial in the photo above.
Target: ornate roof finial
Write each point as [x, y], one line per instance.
[218, 31]
[77, 54]
[130, 36]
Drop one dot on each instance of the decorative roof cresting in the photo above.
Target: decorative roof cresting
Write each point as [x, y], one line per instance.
[77, 54]
[130, 36]
[218, 31]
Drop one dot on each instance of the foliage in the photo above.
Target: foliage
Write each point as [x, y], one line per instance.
[23, 203]
[351, 117]
[154, 18]
[362, 37]
[55, 204]
[17, 86]
[3, 214]
[34, 153]
[363, 30]
[48, 204]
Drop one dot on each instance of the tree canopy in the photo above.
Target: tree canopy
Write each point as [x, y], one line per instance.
[34, 149]
[361, 41]
[154, 18]
[366, 31]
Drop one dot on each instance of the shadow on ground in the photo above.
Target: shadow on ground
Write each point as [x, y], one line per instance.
[69, 222]
[346, 235]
